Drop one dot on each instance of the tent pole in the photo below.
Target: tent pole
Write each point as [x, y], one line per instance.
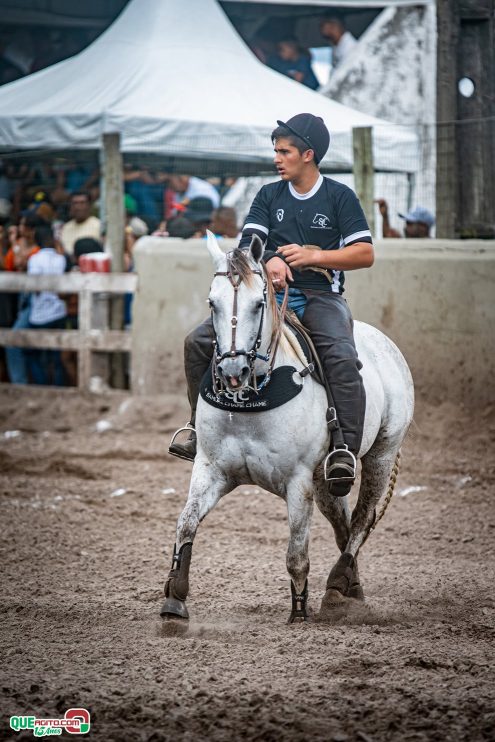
[115, 231]
[362, 145]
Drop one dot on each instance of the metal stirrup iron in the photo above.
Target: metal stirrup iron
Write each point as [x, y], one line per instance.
[352, 464]
[339, 444]
[188, 427]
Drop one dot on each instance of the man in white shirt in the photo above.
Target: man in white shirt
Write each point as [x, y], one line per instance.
[188, 187]
[82, 223]
[342, 42]
[48, 311]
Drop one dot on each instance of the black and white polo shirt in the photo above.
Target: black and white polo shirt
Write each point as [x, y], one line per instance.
[328, 216]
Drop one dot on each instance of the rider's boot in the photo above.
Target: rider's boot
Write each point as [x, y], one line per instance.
[340, 471]
[198, 352]
[341, 463]
[187, 449]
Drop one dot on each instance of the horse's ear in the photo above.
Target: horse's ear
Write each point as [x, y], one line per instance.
[213, 248]
[256, 248]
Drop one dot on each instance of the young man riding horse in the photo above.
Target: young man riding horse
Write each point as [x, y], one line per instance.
[314, 229]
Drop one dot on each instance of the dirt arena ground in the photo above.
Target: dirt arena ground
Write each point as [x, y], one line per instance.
[89, 502]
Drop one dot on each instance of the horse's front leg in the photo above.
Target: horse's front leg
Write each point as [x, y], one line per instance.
[299, 510]
[207, 486]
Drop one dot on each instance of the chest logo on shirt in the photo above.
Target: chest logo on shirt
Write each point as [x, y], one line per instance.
[280, 214]
[320, 221]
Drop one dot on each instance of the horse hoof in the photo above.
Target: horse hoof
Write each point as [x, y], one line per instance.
[174, 608]
[332, 604]
[356, 592]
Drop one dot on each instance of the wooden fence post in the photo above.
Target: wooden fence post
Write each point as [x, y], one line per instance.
[84, 355]
[362, 145]
[115, 230]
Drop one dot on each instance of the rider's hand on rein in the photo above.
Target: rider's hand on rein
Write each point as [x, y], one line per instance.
[279, 273]
[298, 256]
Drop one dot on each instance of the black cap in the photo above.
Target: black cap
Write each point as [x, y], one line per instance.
[312, 130]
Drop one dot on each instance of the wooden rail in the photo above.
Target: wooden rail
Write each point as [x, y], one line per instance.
[86, 340]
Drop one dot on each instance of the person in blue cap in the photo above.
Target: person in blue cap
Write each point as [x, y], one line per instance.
[315, 230]
[418, 224]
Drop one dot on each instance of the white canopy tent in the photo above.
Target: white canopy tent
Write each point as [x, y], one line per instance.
[174, 79]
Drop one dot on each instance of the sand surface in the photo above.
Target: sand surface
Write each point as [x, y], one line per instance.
[87, 525]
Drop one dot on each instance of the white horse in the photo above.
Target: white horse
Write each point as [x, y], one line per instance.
[282, 450]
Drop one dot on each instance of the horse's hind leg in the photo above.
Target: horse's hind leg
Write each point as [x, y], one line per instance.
[344, 576]
[375, 477]
[299, 510]
[336, 511]
[206, 488]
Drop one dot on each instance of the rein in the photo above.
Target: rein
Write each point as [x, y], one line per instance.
[252, 355]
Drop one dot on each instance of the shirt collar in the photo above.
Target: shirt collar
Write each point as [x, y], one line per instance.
[309, 194]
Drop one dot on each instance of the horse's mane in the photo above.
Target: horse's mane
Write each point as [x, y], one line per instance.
[239, 263]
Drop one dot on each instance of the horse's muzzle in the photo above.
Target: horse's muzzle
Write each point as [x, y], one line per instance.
[234, 372]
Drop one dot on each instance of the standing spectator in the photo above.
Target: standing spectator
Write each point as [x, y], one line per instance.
[146, 187]
[294, 62]
[418, 224]
[47, 311]
[188, 187]
[342, 41]
[23, 245]
[22, 242]
[82, 223]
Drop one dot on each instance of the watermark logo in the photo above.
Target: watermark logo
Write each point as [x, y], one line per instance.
[75, 721]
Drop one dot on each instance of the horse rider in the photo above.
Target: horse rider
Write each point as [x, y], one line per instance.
[315, 230]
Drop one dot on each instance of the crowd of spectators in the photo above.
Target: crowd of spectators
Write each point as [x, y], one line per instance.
[50, 224]
[286, 55]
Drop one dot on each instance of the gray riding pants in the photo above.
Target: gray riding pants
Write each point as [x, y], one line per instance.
[329, 321]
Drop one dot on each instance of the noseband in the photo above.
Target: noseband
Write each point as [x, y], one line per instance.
[252, 355]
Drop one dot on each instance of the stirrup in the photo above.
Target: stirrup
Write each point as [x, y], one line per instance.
[189, 427]
[328, 463]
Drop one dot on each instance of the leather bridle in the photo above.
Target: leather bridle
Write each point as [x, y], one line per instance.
[253, 354]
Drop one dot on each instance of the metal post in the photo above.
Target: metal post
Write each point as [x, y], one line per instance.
[115, 231]
[362, 145]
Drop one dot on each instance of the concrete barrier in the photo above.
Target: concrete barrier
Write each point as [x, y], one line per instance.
[434, 298]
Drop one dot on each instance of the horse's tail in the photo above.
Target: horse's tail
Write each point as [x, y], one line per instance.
[386, 501]
[390, 491]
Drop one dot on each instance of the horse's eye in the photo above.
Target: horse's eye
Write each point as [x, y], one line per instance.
[211, 303]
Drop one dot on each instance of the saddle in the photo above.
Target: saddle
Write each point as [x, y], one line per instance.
[306, 351]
